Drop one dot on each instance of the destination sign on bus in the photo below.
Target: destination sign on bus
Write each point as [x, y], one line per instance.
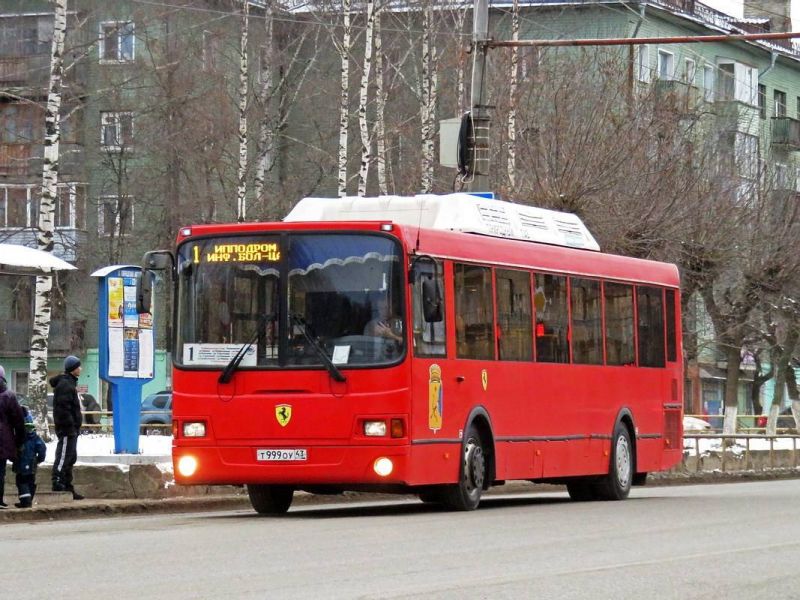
[254, 252]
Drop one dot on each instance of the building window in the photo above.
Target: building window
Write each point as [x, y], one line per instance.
[746, 155]
[115, 218]
[780, 103]
[643, 63]
[689, 68]
[17, 210]
[20, 123]
[708, 83]
[762, 101]
[117, 41]
[514, 322]
[782, 177]
[666, 65]
[70, 208]
[726, 82]
[116, 130]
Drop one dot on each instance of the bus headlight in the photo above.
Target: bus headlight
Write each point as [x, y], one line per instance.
[187, 465]
[375, 428]
[383, 466]
[194, 429]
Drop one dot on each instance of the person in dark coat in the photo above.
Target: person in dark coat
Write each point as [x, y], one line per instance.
[12, 429]
[67, 419]
[32, 453]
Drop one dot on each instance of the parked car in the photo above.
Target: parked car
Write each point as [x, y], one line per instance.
[785, 420]
[696, 425]
[156, 415]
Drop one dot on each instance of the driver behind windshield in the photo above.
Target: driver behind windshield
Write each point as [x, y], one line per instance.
[383, 323]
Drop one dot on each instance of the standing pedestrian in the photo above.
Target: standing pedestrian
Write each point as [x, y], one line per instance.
[32, 453]
[67, 419]
[12, 429]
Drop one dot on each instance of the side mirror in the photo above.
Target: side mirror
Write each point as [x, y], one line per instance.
[157, 260]
[431, 301]
[144, 292]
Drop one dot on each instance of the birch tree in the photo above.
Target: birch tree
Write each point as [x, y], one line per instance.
[266, 137]
[428, 96]
[241, 201]
[363, 125]
[344, 97]
[37, 383]
[380, 109]
[512, 101]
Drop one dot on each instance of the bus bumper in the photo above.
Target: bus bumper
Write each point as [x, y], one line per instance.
[235, 465]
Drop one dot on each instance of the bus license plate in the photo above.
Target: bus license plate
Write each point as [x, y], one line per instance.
[281, 454]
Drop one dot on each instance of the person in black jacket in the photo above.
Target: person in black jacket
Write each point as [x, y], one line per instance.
[12, 429]
[67, 419]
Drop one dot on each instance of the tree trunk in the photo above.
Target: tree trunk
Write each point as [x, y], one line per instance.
[37, 381]
[241, 201]
[427, 100]
[733, 358]
[380, 109]
[362, 102]
[512, 102]
[266, 136]
[344, 54]
[784, 378]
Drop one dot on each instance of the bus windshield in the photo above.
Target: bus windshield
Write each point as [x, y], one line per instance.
[290, 297]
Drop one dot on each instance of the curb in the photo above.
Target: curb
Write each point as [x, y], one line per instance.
[98, 508]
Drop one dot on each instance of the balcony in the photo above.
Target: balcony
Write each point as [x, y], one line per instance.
[672, 95]
[25, 71]
[66, 240]
[15, 158]
[786, 132]
[65, 337]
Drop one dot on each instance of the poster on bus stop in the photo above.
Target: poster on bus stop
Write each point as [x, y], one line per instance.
[130, 337]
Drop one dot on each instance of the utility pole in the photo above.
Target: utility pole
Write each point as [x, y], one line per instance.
[479, 144]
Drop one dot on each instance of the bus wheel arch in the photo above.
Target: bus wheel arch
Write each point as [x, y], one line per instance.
[616, 484]
[476, 464]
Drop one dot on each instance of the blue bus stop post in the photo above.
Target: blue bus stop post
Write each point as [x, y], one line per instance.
[126, 349]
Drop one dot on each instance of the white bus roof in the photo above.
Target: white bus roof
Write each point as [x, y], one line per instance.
[453, 212]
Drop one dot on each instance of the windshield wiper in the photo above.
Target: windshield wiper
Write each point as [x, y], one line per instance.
[332, 368]
[227, 372]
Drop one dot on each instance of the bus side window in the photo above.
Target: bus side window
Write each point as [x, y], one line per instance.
[650, 304]
[672, 342]
[474, 312]
[429, 338]
[552, 319]
[513, 315]
[619, 324]
[587, 330]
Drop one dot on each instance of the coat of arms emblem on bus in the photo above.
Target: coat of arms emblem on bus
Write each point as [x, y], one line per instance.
[283, 412]
[435, 399]
[484, 379]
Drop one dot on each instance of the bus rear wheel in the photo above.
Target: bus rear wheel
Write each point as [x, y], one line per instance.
[616, 485]
[466, 494]
[270, 499]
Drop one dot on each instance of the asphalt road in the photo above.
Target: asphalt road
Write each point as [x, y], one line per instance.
[707, 541]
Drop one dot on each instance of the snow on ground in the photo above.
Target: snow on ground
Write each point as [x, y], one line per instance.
[99, 444]
[739, 445]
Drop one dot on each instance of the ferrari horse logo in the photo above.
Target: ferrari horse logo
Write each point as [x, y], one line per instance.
[283, 412]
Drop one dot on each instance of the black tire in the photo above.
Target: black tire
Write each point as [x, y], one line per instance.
[270, 499]
[581, 490]
[431, 497]
[466, 494]
[616, 485]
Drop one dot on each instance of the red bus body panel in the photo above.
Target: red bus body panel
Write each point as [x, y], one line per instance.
[548, 421]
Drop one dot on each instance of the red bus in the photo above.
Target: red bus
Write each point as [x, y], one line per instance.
[426, 345]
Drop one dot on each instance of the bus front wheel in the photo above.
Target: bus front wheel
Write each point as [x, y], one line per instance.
[617, 484]
[466, 494]
[270, 499]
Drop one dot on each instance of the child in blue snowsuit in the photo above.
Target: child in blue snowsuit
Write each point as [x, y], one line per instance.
[32, 453]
